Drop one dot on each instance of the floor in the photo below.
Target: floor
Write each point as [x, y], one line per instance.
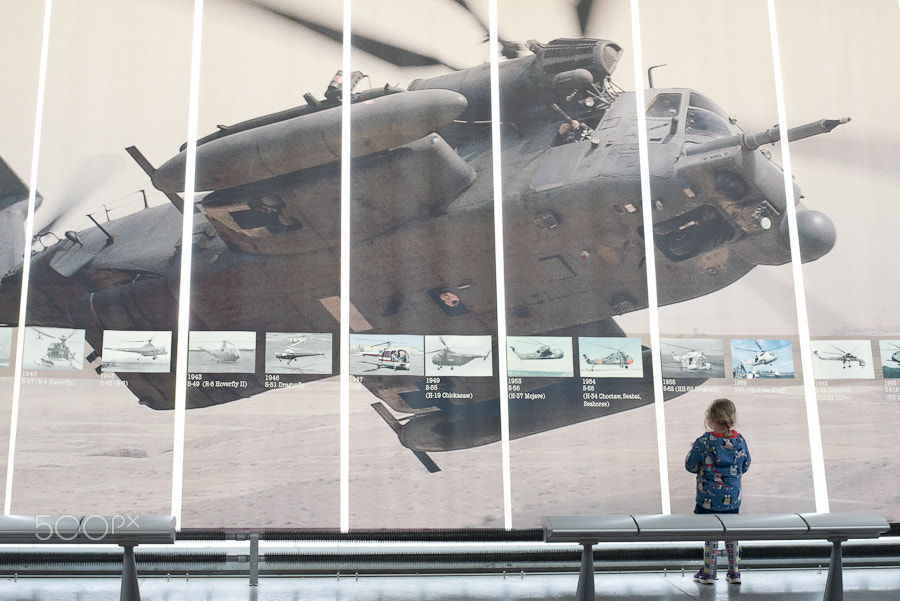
[869, 584]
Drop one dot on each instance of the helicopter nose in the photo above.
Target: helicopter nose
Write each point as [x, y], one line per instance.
[817, 234]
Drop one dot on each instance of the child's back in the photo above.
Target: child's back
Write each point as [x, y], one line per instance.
[719, 458]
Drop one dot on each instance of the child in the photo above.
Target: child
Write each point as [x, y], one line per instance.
[719, 458]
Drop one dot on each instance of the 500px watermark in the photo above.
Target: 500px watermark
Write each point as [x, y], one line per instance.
[91, 527]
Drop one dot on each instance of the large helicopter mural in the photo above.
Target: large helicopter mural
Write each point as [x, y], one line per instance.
[422, 171]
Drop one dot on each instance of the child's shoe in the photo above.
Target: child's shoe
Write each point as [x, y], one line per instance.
[704, 577]
[733, 577]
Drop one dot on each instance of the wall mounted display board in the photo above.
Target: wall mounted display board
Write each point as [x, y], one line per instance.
[509, 350]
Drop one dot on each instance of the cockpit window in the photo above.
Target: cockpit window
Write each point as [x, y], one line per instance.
[708, 118]
[667, 104]
[700, 121]
[702, 102]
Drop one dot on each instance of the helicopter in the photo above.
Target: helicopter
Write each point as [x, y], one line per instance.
[895, 356]
[391, 357]
[692, 359]
[58, 351]
[293, 352]
[616, 358]
[447, 357]
[148, 349]
[762, 356]
[543, 352]
[846, 359]
[227, 352]
[718, 214]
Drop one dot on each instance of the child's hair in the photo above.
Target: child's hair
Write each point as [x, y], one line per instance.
[721, 411]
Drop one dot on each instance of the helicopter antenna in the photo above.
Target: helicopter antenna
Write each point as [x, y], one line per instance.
[109, 237]
[650, 74]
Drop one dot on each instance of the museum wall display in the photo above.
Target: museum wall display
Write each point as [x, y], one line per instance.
[508, 350]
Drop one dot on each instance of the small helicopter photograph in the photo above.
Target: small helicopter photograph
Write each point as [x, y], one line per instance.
[539, 356]
[136, 351]
[692, 358]
[458, 355]
[842, 359]
[610, 357]
[298, 353]
[221, 352]
[400, 355]
[59, 349]
[6, 344]
[752, 358]
[890, 358]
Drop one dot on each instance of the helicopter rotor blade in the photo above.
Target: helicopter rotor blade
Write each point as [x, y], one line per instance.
[390, 53]
[583, 10]
[687, 348]
[43, 333]
[92, 173]
[508, 49]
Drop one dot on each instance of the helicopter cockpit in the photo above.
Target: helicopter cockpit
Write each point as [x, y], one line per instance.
[701, 116]
[704, 117]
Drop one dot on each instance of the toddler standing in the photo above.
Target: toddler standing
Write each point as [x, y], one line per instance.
[719, 458]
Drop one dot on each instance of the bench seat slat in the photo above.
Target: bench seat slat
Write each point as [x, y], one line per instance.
[773, 526]
[576, 529]
[848, 525]
[678, 526]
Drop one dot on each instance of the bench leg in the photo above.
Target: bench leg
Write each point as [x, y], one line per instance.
[254, 559]
[130, 590]
[834, 585]
[585, 590]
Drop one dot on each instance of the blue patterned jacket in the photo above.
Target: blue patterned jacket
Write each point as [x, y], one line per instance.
[719, 463]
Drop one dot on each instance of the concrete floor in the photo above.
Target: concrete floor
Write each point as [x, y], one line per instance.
[869, 584]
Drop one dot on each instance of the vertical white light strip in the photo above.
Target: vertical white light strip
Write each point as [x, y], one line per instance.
[26, 261]
[649, 253]
[345, 277]
[184, 296]
[820, 488]
[498, 259]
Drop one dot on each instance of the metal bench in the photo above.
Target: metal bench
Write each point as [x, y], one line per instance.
[834, 527]
[123, 530]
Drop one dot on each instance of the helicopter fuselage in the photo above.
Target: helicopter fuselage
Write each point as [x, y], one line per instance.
[266, 249]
